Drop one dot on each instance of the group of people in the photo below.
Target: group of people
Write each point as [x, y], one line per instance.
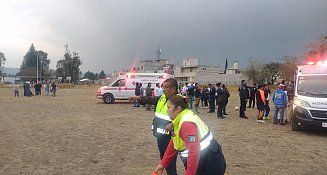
[147, 96]
[180, 131]
[211, 95]
[37, 87]
[260, 95]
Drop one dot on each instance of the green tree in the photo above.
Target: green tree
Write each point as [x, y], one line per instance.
[2, 61]
[252, 72]
[272, 70]
[69, 66]
[102, 75]
[90, 75]
[28, 66]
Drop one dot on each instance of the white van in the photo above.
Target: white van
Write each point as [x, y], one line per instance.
[124, 86]
[310, 100]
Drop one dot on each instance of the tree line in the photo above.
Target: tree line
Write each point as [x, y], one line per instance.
[66, 68]
[69, 66]
[259, 72]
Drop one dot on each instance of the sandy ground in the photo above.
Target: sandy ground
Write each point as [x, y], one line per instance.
[74, 133]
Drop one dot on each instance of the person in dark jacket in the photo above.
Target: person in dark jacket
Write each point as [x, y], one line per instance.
[212, 98]
[253, 91]
[205, 96]
[267, 107]
[220, 100]
[148, 96]
[227, 95]
[137, 93]
[244, 95]
[197, 97]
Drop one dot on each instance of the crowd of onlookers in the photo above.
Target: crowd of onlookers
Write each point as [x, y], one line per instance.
[259, 94]
[27, 86]
[214, 97]
[208, 96]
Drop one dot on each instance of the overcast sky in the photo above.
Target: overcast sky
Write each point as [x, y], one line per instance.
[112, 34]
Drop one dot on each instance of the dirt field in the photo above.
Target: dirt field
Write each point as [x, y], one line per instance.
[74, 133]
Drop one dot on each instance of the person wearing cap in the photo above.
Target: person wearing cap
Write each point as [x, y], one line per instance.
[280, 102]
[200, 153]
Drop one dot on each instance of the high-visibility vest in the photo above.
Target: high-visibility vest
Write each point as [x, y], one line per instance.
[161, 118]
[204, 134]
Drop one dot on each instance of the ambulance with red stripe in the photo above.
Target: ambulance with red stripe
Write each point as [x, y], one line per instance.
[124, 86]
[309, 109]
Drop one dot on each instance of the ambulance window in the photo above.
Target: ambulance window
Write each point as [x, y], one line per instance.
[120, 82]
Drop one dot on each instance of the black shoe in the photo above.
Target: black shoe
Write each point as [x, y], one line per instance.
[225, 113]
[210, 112]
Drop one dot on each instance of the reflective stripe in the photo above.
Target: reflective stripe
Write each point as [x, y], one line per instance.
[162, 131]
[162, 116]
[184, 153]
[203, 144]
[206, 142]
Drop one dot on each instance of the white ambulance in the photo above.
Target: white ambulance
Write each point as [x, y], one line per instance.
[310, 96]
[124, 86]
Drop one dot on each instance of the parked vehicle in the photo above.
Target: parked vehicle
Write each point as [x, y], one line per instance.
[124, 86]
[309, 109]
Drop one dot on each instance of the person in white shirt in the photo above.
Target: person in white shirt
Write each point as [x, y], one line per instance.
[156, 90]
[184, 90]
[157, 93]
[16, 92]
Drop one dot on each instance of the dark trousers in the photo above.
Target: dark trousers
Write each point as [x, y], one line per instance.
[16, 92]
[212, 105]
[267, 108]
[224, 107]
[205, 101]
[250, 102]
[242, 107]
[162, 145]
[212, 160]
[220, 109]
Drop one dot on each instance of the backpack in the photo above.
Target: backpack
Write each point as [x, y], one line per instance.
[190, 90]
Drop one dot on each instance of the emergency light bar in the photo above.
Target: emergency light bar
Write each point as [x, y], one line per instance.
[317, 63]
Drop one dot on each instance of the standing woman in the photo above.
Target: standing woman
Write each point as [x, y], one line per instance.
[193, 141]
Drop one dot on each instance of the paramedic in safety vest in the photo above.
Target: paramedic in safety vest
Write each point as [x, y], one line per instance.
[161, 120]
[193, 141]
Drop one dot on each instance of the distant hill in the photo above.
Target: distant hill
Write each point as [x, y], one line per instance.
[10, 70]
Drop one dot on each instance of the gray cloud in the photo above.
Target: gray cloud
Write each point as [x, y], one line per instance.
[110, 35]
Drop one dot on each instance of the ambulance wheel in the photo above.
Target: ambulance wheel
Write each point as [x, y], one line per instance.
[108, 98]
[294, 127]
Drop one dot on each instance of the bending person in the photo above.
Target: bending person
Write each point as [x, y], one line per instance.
[192, 140]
